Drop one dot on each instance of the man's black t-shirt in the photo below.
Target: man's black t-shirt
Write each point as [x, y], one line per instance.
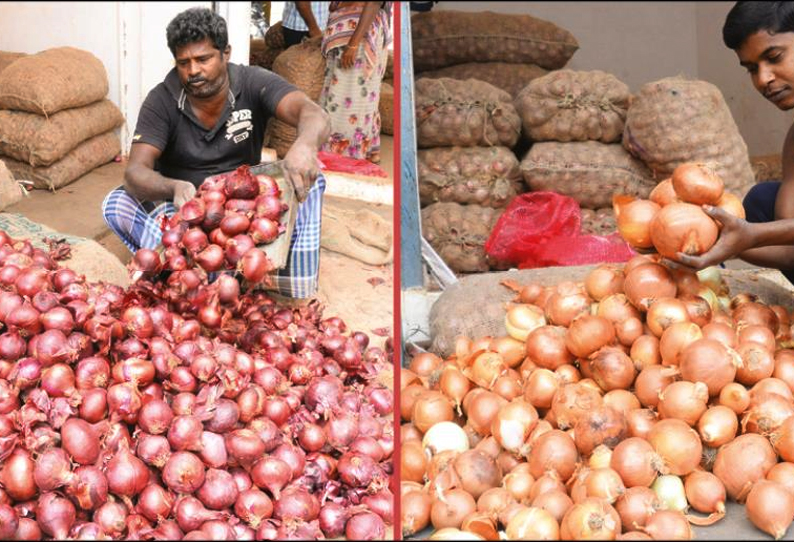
[192, 153]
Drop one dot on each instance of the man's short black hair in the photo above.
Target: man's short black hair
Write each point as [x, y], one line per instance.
[747, 18]
[196, 24]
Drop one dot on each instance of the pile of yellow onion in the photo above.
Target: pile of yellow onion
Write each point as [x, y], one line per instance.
[627, 406]
[672, 219]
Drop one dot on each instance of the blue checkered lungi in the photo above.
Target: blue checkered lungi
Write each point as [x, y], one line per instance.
[140, 228]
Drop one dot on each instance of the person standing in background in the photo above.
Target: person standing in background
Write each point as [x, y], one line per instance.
[355, 45]
[302, 20]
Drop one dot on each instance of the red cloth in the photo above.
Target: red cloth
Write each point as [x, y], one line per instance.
[345, 164]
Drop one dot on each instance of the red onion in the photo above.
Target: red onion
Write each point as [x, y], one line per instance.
[92, 372]
[9, 522]
[218, 491]
[293, 456]
[55, 515]
[382, 503]
[213, 452]
[127, 475]
[155, 502]
[357, 470]
[28, 529]
[153, 450]
[225, 417]
[252, 506]
[94, 406]
[112, 517]
[254, 265]
[272, 474]
[183, 473]
[89, 487]
[80, 440]
[26, 373]
[12, 345]
[365, 526]
[333, 518]
[296, 504]
[52, 469]
[264, 230]
[191, 514]
[341, 429]
[155, 417]
[237, 247]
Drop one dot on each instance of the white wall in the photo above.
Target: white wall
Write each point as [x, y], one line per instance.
[640, 42]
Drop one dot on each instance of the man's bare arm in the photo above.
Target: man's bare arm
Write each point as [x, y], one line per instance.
[145, 184]
[314, 127]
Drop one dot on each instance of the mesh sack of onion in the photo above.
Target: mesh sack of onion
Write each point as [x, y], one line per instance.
[633, 402]
[180, 408]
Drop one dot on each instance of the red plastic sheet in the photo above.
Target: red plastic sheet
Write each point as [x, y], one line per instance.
[344, 164]
[542, 229]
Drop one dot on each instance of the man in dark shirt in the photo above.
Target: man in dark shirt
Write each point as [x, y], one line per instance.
[209, 116]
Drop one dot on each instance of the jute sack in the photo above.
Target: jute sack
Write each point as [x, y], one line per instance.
[389, 73]
[41, 141]
[590, 172]
[88, 257]
[280, 136]
[303, 65]
[7, 58]
[509, 77]
[466, 113]
[10, 190]
[487, 176]
[90, 154]
[675, 120]
[568, 105]
[274, 36]
[446, 37]
[262, 54]
[458, 234]
[52, 80]
[386, 108]
[475, 306]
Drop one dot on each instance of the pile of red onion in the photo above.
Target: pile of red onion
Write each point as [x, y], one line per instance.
[182, 409]
[221, 227]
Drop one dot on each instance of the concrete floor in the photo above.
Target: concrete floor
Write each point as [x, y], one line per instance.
[76, 209]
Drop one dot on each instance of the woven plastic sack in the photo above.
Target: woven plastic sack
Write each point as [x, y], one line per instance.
[487, 176]
[467, 113]
[303, 65]
[7, 58]
[509, 77]
[568, 105]
[52, 80]
[41, 141]
[590, 172]
[458, 233]
[676, 120]
[89, 155]
[447, 37]
[386, 108]
[542, 229]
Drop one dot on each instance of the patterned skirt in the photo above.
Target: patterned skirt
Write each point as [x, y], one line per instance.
[351, 96]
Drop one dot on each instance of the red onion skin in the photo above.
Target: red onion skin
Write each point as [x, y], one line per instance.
[213, 451]
[252, 506]
[155, 417]
[184, 433]
[94, 406]
[382, 503]
[52, 469]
